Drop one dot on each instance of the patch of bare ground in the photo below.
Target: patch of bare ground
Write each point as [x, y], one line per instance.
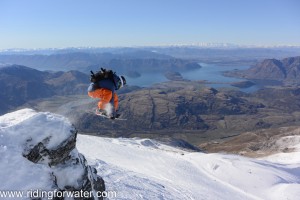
[258, 143]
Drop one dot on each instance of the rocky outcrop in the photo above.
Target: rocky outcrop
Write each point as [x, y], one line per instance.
[39, 153]
[48, 142]
[62, 158]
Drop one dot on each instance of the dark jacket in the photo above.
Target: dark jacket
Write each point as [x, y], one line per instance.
[110, 84]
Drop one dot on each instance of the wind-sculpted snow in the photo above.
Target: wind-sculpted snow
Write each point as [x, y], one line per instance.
[17, 128]
[37, 152]
[146, 169]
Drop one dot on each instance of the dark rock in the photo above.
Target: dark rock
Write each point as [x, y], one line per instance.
[54, 156]
[64, 157]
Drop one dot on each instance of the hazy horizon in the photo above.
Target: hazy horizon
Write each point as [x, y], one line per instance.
[192, 45]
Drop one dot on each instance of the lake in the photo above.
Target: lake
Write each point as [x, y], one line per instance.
[208, 72]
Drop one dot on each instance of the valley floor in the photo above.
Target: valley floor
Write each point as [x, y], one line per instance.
[146, 169]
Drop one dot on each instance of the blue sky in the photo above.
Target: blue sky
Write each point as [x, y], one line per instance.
[101, 23]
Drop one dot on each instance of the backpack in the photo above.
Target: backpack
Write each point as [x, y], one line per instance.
[100, 75]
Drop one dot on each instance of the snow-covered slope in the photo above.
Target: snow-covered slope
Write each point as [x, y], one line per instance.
[38, 154]
[287, 142]
[135, 168]
[145, 169]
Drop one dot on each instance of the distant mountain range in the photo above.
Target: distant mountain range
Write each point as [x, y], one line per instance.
[123, 61]
[287, 70]
[177, 107]
[20, 84]
[144, 59]
[48, 51]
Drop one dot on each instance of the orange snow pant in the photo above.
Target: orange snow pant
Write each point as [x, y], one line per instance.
[105, 97]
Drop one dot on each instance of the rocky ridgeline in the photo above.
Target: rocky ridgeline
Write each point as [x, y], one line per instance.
[23, 84]
[47, 142]
[171, 109]
[182, 109]
[286, 70]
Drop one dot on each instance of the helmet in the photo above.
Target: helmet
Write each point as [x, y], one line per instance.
[121, 82]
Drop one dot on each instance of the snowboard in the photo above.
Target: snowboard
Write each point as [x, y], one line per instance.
[107, 117]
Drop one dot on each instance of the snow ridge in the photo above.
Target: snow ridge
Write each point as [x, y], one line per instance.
[145, 169]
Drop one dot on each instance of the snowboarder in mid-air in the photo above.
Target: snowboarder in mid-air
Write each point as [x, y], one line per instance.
[103, 86]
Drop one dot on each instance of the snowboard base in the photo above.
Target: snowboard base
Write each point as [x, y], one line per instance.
[107, 117]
